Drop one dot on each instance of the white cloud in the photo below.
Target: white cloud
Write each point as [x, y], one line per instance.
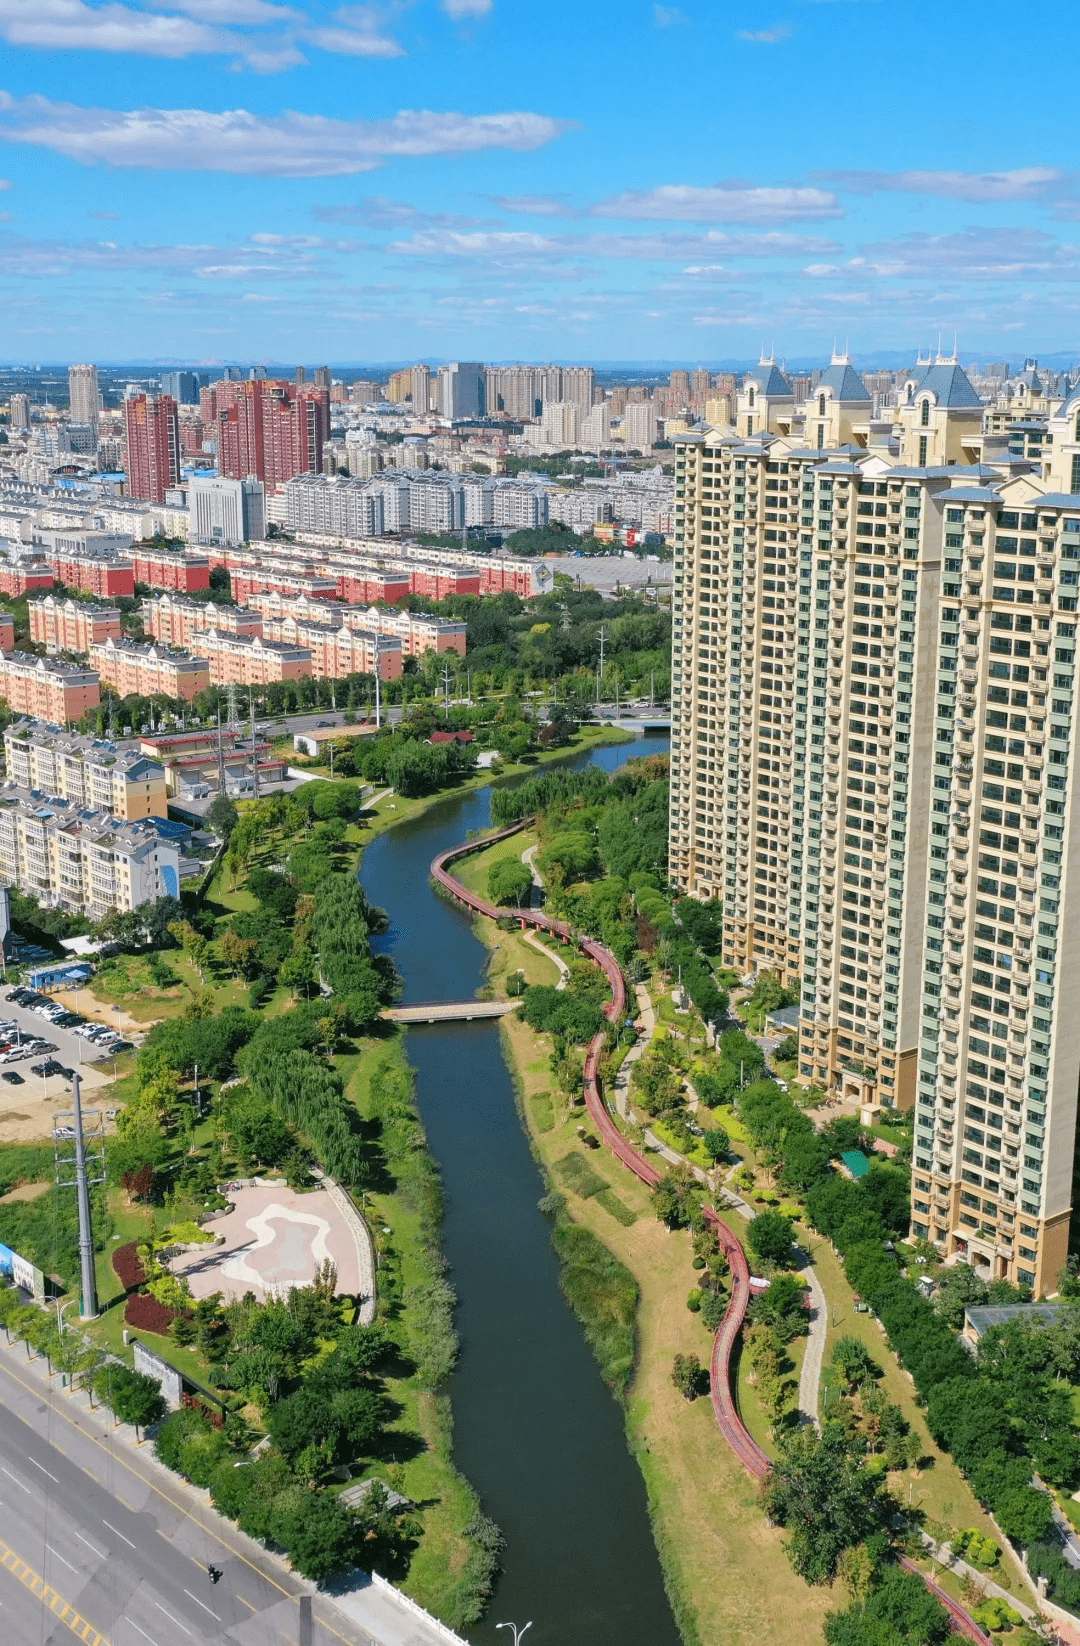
[765, 37]
[1008, 254]
[169, 31]
[534, 205]
[727, 202]
[668, 17]
[459, 9]
[5, 184]
[1023, 183]
[377, 212]
[287, 145]
[520, 246]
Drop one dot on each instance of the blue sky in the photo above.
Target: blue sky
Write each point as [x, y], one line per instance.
[206, 180]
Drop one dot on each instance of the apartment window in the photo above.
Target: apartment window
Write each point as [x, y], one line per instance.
[821, 412]
[1074, 484]
[923, 445]
[925, 416]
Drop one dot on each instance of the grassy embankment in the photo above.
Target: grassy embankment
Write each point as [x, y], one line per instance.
[703, 1505]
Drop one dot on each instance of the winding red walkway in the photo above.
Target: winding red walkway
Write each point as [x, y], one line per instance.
[731, 1425]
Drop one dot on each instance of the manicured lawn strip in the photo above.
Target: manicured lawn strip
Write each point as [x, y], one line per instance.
[938, 1489]
[436, 1575]
[472, 871]
[725, 1569]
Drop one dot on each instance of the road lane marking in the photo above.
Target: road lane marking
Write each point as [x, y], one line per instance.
[170, 1617]
[120, 1535]
[17, 1481]
[139, 1631]
[201, 1603]
[90, 1546]
[61, 1559]
[247, 1602]
[43, 1469]
[186, 1509]
[49, 1597]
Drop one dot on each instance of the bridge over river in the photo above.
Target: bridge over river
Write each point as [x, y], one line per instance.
[449, 1011]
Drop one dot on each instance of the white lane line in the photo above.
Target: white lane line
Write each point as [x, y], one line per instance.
[139, 1631]
[170, 1617]
[43, 1469]
[61, 1559]
[201, 1603]
[121, 1536]
[90, 1546]
[17, 1481]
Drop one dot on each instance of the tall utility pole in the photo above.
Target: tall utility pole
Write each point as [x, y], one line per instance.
[254, 751]
[220, 751]
[446, 688]
[85, 1162]
[601, 651]
[378, 694]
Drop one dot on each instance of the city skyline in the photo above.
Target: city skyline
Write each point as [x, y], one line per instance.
[389, 184]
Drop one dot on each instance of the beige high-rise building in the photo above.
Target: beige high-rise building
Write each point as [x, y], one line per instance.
[873, 728]
[19, 411]
[83, 397]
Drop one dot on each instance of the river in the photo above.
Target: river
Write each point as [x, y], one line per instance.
[535, 1430]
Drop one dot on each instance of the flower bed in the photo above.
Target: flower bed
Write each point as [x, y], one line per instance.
[128, 1266]
[148, 1315]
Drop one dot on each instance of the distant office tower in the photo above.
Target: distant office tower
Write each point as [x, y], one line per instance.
[560, 423]
[226, 511]
[183, 386]
[323, 379]
[679, 381]
[83, 397]
[153, 445]
[596, 429]
[420, 389]
[577, 387]
[700, 382]
[639, 425]
[461, 389]
[272, 430]
[19, 409]
[301, 375]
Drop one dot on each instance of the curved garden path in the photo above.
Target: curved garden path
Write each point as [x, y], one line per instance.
[730, 1424]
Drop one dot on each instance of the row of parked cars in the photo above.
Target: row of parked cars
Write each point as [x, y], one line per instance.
[98, 1035]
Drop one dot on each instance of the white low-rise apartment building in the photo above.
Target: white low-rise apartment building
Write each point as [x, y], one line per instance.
[81, 858]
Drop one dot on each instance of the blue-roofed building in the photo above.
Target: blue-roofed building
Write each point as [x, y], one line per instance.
[766, 402]
[839, 408]
[941, 416]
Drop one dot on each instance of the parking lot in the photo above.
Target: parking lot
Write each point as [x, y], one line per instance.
[20, 1022]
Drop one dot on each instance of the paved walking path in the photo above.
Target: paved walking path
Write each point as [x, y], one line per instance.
[549, 954]
[810, 1376]
[365, 1246]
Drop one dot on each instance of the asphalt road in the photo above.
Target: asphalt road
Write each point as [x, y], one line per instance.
[125, 1545]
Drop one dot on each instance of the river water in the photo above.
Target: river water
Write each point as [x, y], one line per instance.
[535, 1430]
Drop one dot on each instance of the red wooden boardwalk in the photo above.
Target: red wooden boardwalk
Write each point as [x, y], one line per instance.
[731, 1425]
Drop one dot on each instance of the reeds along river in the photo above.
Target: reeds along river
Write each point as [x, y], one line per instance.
[535, 1430]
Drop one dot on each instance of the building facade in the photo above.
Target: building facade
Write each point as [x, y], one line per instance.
[152, 429]
[150, 670]
[71, 625]
[59, 692]
[86, 861]
[87, 771]
[872, 745]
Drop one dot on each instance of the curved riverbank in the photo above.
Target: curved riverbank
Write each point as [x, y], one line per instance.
[534, 1428]
[740, 1441]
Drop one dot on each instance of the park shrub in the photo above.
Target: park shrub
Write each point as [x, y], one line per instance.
[128, 1265]
[693, 1300]
[977, 1549]
[604, 1296]
[146, 1314]
[574, 1172]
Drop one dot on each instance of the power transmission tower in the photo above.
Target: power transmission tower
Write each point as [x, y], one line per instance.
[79, 1170]
[220, 752]
[234, 708]
[254, 751]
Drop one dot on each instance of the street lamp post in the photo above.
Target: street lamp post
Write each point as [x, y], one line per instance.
[60, 1307]
[517, 1632]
